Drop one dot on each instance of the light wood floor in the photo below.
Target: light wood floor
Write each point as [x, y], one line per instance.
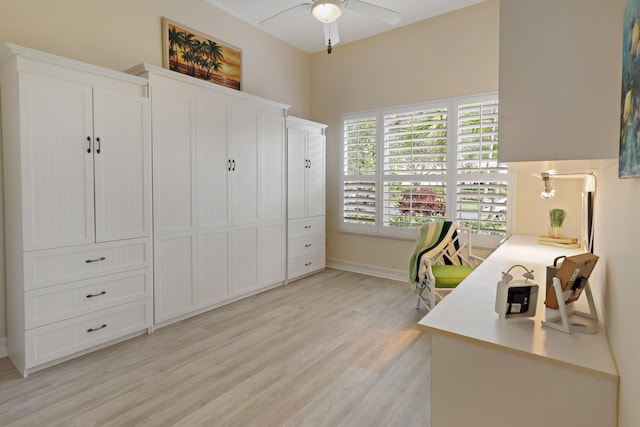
[334, 349]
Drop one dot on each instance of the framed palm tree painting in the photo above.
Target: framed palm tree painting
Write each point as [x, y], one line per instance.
[629, 164]
[194, 54]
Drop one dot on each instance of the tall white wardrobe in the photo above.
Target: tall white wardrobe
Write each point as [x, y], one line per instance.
[306, 197]
[77, 186]
[218, 193]
[137, 201]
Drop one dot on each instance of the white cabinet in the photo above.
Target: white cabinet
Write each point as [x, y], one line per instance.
[306, 197]
[85, 163]
[559, 88]
[219, 183]
[77, 174]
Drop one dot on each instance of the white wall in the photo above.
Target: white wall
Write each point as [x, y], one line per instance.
[590, 32]
[617, 237]
[119, 34]
[450, 55]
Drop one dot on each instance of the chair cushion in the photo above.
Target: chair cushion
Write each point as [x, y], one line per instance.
[450, 276]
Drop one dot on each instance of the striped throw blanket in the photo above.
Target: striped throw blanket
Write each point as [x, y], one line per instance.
[434, 237]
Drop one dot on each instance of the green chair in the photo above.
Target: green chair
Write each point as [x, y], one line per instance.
[441, 260]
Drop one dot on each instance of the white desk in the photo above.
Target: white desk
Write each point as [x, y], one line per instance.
[487, 371]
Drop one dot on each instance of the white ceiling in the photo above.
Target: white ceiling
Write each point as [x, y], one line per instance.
[298, 28]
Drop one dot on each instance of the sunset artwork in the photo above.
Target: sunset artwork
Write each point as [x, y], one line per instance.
[197, 55]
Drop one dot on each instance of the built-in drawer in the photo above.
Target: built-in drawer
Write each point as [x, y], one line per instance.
[55, 303]
[51, 342]
[57, 266]
[306, 226]
[305, 245]
[305, 265]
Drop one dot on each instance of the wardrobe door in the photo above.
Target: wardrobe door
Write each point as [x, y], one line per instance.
[271, 149]
[243, 174]
[173, 157]
[212, 163]
[316, 175]
[211, 284]
[122, 166]
[297, 168]
[243, 274]
[173, 258]
[57, 151]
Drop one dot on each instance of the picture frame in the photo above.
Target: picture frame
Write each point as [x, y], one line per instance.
[198, 55]
[629, 154]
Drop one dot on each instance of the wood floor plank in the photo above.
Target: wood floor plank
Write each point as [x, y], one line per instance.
[333, 349]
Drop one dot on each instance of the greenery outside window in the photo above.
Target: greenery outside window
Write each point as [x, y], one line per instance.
[409, 165]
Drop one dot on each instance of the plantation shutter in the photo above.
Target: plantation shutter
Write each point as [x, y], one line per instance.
[481, 190]
[359, 170]
[415, 166]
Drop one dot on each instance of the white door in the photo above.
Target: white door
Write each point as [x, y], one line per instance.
[243, 175]
[173, 276]
[271, 255]
[173, 157]
[297, 169]
[57, 149]
[316, 175]
[271, 146]
[212, 163]
[122, 151]
[243, 273]
[211, 284]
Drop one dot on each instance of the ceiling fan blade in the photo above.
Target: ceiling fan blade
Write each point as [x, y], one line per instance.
[383, 14]
[307, 5]
[331, 33]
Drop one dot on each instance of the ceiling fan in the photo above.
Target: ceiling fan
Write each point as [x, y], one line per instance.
[328, 11]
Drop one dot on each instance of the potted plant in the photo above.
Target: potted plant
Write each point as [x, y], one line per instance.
[556, 218]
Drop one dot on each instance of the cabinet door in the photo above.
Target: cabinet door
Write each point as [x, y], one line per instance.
[173, 157]
[271, 145]
[56, 132]
[243, 153]
[173, 258]
[297, 169]
[122, 166]
[271, 256]
[316, 175]
[211, 285]
[243, 273]
[212, 163]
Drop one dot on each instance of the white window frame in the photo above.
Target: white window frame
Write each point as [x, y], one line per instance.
[450, 178]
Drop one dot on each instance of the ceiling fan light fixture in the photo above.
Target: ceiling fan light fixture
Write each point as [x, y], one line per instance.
[326, 11]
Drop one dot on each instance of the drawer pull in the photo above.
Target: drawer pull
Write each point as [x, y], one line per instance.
[307, 264]
[308, 245]
[97, 295]
[96, 329]
[95, 260]
[307, 226]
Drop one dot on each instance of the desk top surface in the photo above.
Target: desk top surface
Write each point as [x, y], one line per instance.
[469, 313]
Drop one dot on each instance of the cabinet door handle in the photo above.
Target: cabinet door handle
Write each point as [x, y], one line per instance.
[97, 295]
[98, 144]
[97, 329]
[308, 245]
[309, 163]
[229, 165]
[233, 162]
[95, 260]
[89, 145]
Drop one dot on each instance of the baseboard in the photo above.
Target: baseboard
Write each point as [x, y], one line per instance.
[3, 347]
[371, 270]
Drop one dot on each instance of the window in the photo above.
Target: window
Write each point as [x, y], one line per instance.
[409, 165]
